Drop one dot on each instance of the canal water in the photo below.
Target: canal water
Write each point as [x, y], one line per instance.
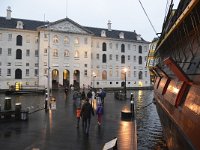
[150, 133]
[149, 129]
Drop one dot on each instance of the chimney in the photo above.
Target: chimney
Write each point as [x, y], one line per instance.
[109, 25]
[8, 17]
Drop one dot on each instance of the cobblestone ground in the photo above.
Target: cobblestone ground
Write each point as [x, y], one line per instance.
[56, 129]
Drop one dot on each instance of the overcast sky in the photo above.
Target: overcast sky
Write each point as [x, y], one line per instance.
[124, 14]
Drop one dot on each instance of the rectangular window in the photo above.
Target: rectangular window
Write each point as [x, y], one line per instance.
[0, 63]
[0, 71]
[36, 72]
[85, 65]
[28, 52]
[28, 39]
[27, 72]
[110, 73]
[129, 46]
[110, 56]
[134, 58]
[27, 64]
[8, 72]
[134, 73]
[36, 64]
[9, 64]
[36, 53]
[36, 39]
[129, 57]
[45, 35]
[9, 37]
[45, 50]
[0, 50]
[116, 45]
[55, 53]
[145, 73]
[0, 36]
[45, 71]
[85, 55]
[86, 40]
[9, 51]
[85, 72]
[98, 56]
[117, 57]
[129, 74]
[134, 47]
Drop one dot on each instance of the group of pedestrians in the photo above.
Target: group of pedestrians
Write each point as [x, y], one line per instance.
[85, 104]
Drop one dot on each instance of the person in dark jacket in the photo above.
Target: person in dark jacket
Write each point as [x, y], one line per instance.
[86, 113]
[89, 96]
[83, 96]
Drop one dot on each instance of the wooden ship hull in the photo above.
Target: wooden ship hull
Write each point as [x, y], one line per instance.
[177, 76]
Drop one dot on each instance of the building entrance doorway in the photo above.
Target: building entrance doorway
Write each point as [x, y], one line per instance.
[76, 77]
[55, 78]
[66, 78]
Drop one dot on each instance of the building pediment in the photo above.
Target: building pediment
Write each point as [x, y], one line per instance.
[67, 25]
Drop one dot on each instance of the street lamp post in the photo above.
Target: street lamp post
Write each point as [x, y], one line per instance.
[125, 83]
[47, 99]
[125, 86]
[94, 75]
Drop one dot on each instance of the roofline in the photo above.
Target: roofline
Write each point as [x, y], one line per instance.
[58, 21]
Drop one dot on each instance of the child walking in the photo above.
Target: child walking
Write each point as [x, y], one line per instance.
[99, 113]
[78, 115]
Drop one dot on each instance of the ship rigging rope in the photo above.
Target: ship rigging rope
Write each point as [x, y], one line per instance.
[148, 17]
[166, 9]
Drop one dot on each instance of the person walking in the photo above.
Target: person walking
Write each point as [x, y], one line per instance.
[102, 95]
[93, 98]
[89, 96]
[99, 113]
[83, 96]
[86, 112]
[78, 115]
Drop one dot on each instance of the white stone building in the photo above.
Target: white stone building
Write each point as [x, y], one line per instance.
[78, 55]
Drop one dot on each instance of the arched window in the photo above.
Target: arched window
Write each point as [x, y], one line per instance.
[55, 53]
[123, 48]
[104, 47]
[104, 58]
[55, 39]
[140, 49]
[76, 40]
[104, 75]
[66, 53]
[76, 54]
[19, 54]
[140, 59]
[140, 75]
[123, 59]
[19, 40]
[66, 40]
[18, 74]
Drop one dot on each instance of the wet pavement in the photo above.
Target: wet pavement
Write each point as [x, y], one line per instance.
[56, 129]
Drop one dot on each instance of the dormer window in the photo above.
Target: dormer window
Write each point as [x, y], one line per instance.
[103, 33]
[121, 35]
[139, 37]
[76, 40]
[19, 25]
